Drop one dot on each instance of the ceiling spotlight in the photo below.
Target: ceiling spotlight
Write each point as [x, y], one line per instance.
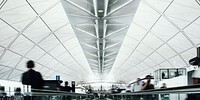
[100, 11]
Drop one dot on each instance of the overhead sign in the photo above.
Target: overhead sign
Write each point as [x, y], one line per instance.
[57, 77]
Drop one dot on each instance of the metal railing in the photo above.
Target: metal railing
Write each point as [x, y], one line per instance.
[175, 93]
[38, 94]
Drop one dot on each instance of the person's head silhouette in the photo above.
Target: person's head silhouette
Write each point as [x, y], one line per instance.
[66, 83]
[30, 64]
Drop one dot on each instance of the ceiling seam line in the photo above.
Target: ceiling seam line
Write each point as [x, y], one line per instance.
[140, 26]
[178, 55]
[2, 4]
[191, 22]
[79, 7]
[19, 54]
[156, 35]
[198, 2]
[10, 45]
[51, 7]
[181, 31]
[14, 67]
[155, 9]
[137, 72]
[164, 58]
[139, 42]
[144, 58]
[115, 32]
[118, 8]
[166, 42]
[4, 73]
[86, 33]
[186, 6]
[14, 8]
[107, 55]
[119, 16]
[70, 53]
[113, 3]
[16, 37]
[169, 58]
[172, 17]
[162, 41]
[47, 27]
[36, 62]
[147, 46]
[37, 44]
[13, 77]
[82, 16]
[18, 34]
[184, 35]
[43, 49]
[46, 10]
[157, 49]
[88, 2]
[32, 7]
[5, 66]
[90, 54]
[154, 23]
[170, 20]
[148, 57]
[113, 45]
[23, 57]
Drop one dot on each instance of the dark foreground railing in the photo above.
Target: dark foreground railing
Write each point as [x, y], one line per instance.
[175, 93]
[37, 94]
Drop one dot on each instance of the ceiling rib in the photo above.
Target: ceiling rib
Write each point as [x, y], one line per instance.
[161, 14]
[102, 22]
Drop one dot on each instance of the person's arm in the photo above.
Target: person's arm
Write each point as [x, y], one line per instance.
[153, 86]
[132, 88]
[22, 79]
[144, 86]
[41, 80]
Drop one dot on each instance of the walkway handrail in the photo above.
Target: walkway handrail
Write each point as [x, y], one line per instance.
[182, 89]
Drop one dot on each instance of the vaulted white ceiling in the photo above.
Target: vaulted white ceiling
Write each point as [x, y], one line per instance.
[142, 36]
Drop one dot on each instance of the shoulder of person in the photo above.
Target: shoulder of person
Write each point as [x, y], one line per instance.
[27, 72]
[152, 85]
[38, 72]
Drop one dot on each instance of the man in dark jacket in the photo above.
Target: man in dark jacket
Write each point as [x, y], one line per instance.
[66, 87]
[148, 86]
[32, 77]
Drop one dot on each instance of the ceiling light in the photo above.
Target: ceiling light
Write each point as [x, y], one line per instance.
[100, 11]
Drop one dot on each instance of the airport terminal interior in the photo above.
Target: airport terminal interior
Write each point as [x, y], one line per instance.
[104, 49]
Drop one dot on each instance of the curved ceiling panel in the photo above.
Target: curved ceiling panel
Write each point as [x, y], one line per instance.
[92, 40]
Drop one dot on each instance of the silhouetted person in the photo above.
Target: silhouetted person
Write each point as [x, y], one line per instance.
[163, 86]
[66, 87]
[163, 75]
[164, 96]
[32, 77]
[137, 86]
[148, 86]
